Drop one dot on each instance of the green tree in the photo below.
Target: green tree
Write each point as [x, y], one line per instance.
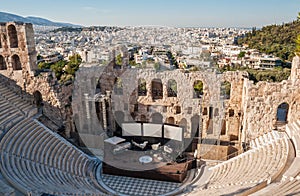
[278, 40]
[198, 89]
[157, 66]
[58, 68]
[226, 88]
[119, 59]
[298, 45]
[132, 63]
[73, 64]
[242, 54]
[298, 17]
[44, 65]
[75, 59]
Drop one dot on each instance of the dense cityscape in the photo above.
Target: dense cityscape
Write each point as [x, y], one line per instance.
[190, 47]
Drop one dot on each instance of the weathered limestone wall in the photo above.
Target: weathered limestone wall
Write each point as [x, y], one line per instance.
[93, 81]
[17, 41]
[261, 101]
[233, 106]
[56, 99]
[25, 50]
[216, 152]
[83, 104]
[190, 107]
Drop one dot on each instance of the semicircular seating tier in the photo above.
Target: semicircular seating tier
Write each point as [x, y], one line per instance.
[35, 161]
[290, 181]
[249, 171]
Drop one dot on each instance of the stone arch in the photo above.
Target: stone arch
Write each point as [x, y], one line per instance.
[172, 88]
[225, 90]
[38, 99]
[16, 63]
[98, 87]
[143, 118]
[157, 89]
[195, 122]
[282, 112]
[119, 119]
[183, 124]
[223, 127]
[198, 89]
[2, 63]
[157, 118]
[142, 87]
[171, 120]
[13, 36]
[118, 86]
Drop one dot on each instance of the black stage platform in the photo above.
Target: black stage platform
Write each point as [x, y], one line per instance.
[161, 164]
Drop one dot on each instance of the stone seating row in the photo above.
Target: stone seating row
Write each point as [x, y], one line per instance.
[290, 182]
[17, 101]
[264, 139]
[8, 115]
[293, 131]
[5, 189]
[262, 163]
[38, 161]
[287, 187]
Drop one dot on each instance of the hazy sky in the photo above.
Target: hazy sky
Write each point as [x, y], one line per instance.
[179, 13]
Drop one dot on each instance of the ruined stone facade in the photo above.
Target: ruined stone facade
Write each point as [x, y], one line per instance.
[262, 101]
[249, 111]
[102, 97]
[202, 116]
[17, 51]
[18, 62]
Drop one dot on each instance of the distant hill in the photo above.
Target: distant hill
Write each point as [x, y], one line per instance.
[278, 40]
[7, 17]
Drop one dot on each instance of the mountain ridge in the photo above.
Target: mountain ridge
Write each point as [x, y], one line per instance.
[8, 17]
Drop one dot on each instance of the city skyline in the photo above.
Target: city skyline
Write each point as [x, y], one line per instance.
[192, 13]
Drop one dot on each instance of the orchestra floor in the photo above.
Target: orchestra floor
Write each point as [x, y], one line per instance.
[137, 186]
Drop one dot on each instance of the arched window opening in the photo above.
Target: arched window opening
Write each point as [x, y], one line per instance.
[177, 109]
[211, 112]
[119, 120]
[231, 113]
[16, 63]
[2, 63]
[98, 87]
[172, 88]
[216, 112]
[223, 127]
[118, 61]
[282, 112]
[183, 124]
[195, 120]
[198, 89]
[13, 36]
[38, 99]
[142, 88]
[225, 90]
[143, 118]
[118, 88]
[157, 118]
[171, 120]
[157, 89]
